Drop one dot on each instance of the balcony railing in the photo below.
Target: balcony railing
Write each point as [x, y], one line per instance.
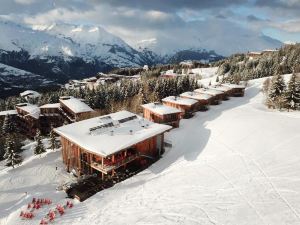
[112, 166]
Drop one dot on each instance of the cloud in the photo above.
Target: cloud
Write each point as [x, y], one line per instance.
[292, 26]
[25, 2]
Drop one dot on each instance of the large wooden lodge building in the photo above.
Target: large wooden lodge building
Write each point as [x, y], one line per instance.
[29, 118]
[103, 144]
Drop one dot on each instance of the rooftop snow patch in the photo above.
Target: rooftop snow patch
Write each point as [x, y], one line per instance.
[179, 100]
[54, 105]
[209, 91]
[106, 135]
[161, 109]
[30, 93]
[75, 104]
[32, 110]
[8, 112]
[221, 88]
[234, 85]
[195, 95]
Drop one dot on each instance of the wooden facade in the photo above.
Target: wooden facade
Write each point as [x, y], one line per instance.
[81, 161]
[72, 116]
[27, 123]
[187, 111]
[172, 119]
[203, 104]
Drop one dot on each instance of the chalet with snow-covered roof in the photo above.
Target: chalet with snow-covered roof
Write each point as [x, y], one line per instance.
[254, 55]
[104, 144]
[217, 96]
[74, 109]
[29, 94]
[50, 117]
[187, 106]
[162, 114]
[237, 90]
[204, 100]
[227, 91]
[28, 118]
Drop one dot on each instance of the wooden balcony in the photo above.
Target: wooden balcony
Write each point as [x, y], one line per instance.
[109, 167]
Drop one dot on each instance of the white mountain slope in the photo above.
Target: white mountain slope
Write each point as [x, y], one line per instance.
[86, 42]
[237, 163]
[222, 36]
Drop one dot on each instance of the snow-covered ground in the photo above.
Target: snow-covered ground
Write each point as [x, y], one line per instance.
[237, 163]
[206, 72]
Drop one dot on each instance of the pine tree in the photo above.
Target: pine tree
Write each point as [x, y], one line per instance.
[292, 95]
[217, 79]
[8, 125]
[53, 142]
[11, 155]
[142, 97]
[39, 148]
[276, 91]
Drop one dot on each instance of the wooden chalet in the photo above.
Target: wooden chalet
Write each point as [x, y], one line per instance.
[162, 114]
[74, 109]
[204, 100]
[104, 144]
[28, 118]
[237, 90]
[187, 106]
[50, 117]
[225, 89]
[217, 96]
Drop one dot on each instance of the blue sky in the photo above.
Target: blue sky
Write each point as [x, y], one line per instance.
[136, 20]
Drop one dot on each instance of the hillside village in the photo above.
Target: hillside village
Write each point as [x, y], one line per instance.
[106, 129]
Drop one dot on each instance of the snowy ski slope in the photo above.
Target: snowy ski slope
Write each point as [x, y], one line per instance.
[237, 163]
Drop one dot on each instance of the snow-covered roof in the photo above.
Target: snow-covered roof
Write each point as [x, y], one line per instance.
[179, 100]
[75, 104]
[209, 91]
[160, 109]
[8, 112]
[30, 93]
[234, 85]
[106, 135]
[220, 88]
[32, 110]
[255, 53]
[54, 105]
[195, 95]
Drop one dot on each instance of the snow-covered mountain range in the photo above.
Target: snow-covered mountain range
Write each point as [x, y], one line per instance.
[60, 52]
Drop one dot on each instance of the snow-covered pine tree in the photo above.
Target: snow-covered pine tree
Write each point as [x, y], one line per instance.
[217, 79]
[142, 97]
[53, 142]
[39, 148]
[8, 125]
[276, 91]
[11, 155]
[292, 95]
